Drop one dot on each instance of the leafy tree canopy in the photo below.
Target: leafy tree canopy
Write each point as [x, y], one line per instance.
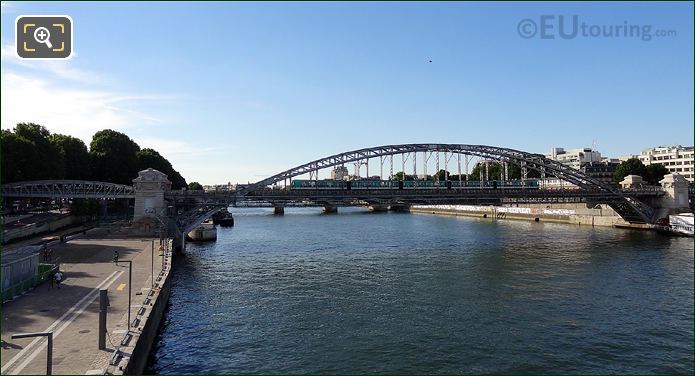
[31, 152]
[654, 173]
[632, 166]
[150, 158]
[114, 157]
[76, 156]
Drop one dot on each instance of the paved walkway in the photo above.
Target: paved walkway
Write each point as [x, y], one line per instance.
[71, 312]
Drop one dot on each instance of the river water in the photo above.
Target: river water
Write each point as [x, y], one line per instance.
[360, 292]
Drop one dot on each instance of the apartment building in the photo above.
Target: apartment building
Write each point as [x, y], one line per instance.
[676, 159]
[575, 158]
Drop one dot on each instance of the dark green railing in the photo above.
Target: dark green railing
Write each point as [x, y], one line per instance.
[45, 272]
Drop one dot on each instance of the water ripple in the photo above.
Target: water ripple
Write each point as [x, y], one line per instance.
[397, 293]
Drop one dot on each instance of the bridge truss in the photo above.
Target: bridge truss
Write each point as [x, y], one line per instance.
[67, 189]
[630, 208]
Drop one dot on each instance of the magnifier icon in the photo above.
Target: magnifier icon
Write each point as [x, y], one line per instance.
[42, 35]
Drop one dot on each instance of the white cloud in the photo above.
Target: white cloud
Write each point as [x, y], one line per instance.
[77, 112]
[61, 69]
[176, 148]
[69, 100]
[66, 99]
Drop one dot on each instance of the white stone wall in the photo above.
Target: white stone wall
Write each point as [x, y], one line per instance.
[150, 186]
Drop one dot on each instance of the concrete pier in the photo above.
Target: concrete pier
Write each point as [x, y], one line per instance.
[279, 210]
[578, 214]
[378, 208]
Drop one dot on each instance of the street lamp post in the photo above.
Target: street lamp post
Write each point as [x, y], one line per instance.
[49, 350]
[152, 266]
[130, 286]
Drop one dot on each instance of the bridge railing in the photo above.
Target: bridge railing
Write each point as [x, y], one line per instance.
[67, 189]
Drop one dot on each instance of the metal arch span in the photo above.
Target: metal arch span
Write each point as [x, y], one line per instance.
[630, 209]
[67, 189]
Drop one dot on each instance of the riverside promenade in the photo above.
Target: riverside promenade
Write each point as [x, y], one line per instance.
[72, 312]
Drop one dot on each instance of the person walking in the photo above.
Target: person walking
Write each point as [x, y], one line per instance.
[59, 278]
[115, 257]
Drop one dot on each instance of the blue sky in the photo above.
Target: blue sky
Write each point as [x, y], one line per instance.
[239, 91]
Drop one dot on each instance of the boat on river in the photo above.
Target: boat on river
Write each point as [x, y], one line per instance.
[223, 218]
[681, 224]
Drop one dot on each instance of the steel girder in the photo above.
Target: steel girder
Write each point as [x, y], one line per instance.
[631, 210]
[534, 161]
[67, 189]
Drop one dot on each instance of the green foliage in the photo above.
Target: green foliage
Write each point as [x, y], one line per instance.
[150, 158]
[495, 171]
[31, 152]
[399, 176]
[114, 157]
[654, 173]
[632, 166]
[17, 157]
[441, 175]
[76, 156]
[195, 186]
[28, 154]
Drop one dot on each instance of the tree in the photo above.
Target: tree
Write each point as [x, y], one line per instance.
[76, 156]
[195, 186]
[49, 163]
[399, 176]
[632, 166]
[655, 172]
[441, 175]
[114, 157]
[479, 171]
[31, 152]
[495, 171]
[18, 157]
[150, 158]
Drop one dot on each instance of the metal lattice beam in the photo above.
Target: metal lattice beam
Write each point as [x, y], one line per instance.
[538, 162]
[67, 189]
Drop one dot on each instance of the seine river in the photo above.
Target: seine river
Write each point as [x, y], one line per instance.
[360, 292]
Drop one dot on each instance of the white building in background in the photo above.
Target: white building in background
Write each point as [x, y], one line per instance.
[340, 173]
[574, 158]
[676, 159]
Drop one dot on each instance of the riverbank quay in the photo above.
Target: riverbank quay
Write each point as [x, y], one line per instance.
[72, 312]
[577, 214]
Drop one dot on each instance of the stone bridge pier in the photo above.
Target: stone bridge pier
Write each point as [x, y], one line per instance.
[675, 199]
[149, 215]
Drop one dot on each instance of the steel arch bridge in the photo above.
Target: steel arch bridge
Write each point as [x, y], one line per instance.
[627, 207]
[626, 204]
[67, 189]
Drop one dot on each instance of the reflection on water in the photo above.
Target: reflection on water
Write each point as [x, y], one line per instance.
[362, 292]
